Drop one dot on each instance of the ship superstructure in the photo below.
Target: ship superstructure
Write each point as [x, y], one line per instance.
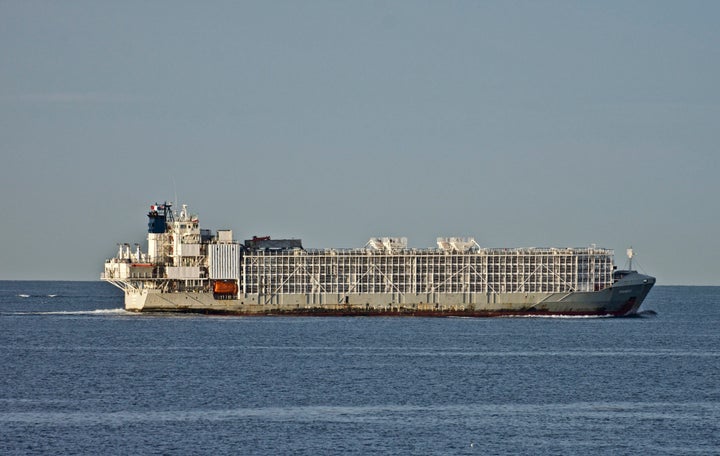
[190, 269]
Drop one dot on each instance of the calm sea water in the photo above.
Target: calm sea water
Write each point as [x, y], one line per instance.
[81, 376]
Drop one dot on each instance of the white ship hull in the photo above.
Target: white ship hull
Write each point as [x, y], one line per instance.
[623, 298]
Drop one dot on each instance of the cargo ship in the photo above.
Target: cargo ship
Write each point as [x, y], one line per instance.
[189, 269]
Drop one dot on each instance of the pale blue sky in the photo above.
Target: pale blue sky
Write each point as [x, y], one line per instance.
[521, 123]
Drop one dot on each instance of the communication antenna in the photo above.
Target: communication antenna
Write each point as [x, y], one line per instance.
[630, 255]
[175, 191]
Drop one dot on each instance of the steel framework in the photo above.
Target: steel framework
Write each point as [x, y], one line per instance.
[530, 270]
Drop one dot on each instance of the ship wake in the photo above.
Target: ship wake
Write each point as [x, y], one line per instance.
[95, 312]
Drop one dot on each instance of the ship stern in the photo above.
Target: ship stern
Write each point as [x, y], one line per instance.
[135, 299]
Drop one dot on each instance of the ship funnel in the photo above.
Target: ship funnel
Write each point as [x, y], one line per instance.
[157, 218]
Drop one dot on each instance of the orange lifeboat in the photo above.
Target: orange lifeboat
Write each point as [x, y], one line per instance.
[225, 287]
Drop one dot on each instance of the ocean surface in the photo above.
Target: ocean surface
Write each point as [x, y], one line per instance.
[78, 375]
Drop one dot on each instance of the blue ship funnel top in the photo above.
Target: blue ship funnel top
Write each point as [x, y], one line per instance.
[158, 218]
